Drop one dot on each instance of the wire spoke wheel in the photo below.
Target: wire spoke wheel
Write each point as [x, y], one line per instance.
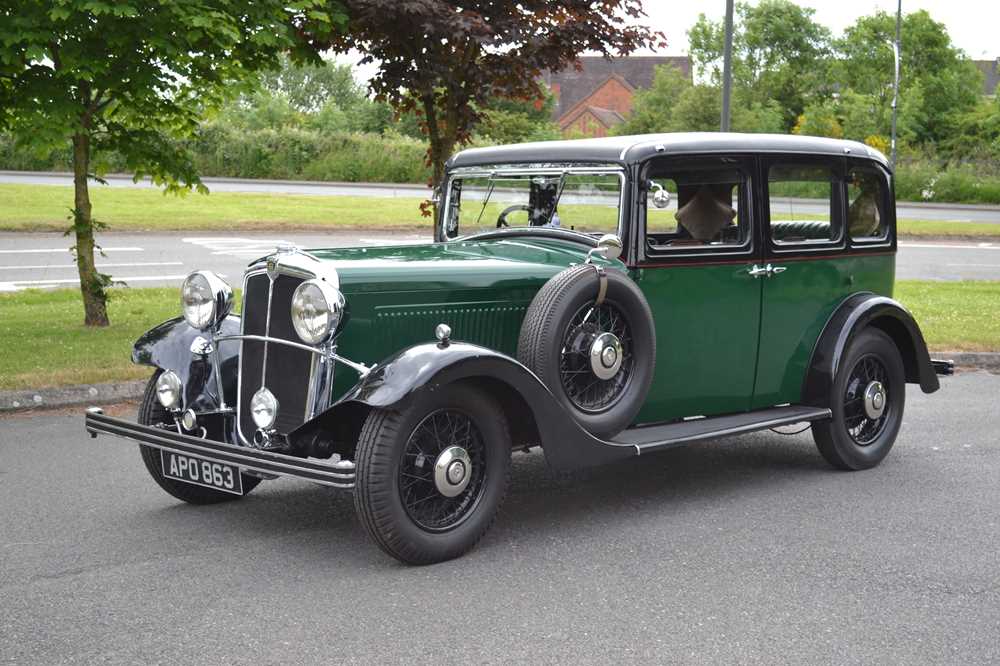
[438, 485]
[866, 405]
[588, 391]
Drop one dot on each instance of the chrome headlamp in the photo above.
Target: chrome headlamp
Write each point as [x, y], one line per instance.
[168, 390]
[206, 299]
[317, 308]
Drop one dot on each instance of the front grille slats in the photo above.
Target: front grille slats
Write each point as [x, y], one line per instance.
[288, 369]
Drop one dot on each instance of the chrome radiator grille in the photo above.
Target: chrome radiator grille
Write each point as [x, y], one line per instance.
[285, 371]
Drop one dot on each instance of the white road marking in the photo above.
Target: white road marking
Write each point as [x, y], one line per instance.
[237, 246]
[977, 265]
[934, 246]
[66, 249]
[99, 266]
[41, 284]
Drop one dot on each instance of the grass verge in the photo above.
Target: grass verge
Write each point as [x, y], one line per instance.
[46, 343]
[47, 208]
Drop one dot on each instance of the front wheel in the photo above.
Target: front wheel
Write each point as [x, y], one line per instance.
[867, 404]
[431, 477]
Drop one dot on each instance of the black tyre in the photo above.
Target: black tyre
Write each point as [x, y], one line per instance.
[566, 334]
[151, 412]
[868, 396]
[431, 477]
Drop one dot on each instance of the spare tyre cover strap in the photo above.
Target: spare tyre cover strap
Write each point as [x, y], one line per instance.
[602, 282]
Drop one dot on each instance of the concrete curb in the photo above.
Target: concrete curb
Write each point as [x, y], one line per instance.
[102, 394]
[68, 396]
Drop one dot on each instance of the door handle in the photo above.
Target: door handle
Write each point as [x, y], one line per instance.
[765, 271]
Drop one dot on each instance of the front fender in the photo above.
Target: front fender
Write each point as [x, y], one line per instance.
[168, 346]
[854, 314]
[402, 378]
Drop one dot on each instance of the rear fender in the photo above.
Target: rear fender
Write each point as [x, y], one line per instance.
[853, 315]
[168, 347]
[531, 410]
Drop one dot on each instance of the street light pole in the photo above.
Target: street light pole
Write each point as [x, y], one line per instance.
[727, 67]
[895, 87]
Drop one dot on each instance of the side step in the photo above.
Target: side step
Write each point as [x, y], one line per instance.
[667, 435]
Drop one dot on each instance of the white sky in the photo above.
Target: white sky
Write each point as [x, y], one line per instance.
[972, 24]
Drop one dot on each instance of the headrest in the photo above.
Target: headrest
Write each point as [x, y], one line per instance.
[704, 216]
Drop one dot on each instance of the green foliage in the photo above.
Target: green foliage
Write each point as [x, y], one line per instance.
[779, 53]
[133, 76]
[930, 62]
[674, 104]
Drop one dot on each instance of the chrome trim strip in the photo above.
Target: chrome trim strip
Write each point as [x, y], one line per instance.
[267, 327]
[360, 368]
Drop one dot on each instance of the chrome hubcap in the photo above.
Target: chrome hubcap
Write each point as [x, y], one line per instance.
[874, 399]
[452, 471]
[605, 355]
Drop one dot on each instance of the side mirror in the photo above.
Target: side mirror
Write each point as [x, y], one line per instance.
[609, 246]
[661, 198]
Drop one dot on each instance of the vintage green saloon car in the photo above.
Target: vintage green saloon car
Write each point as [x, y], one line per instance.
[600, 298]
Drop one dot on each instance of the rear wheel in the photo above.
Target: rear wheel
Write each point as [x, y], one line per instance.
[431, 477]
[867, 404]
[151, 412]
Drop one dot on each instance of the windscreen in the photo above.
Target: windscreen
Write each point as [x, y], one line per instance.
[584, 202]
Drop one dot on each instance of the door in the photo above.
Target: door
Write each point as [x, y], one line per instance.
[695, 256]
[804, 243]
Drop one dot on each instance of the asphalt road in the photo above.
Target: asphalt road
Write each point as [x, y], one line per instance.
[904, 210]
[40, 260]
[750, 550]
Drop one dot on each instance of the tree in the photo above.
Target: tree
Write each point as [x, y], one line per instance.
[447, 60]
[131, 77]
[865, 65]
[779, 53]
[673, 104]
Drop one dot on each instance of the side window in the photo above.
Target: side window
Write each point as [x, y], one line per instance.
[802, 203]
[696, 207]
[866, 197]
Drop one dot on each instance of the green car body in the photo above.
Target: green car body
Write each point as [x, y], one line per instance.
[728, 283]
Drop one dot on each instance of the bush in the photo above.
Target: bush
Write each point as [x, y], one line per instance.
[283, 153]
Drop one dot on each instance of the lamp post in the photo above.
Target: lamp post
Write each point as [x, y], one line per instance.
[727, 67]
[895, 85]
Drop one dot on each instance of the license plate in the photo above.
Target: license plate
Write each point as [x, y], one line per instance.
[215, 475]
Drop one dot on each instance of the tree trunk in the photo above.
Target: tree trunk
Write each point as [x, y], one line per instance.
[92, 286]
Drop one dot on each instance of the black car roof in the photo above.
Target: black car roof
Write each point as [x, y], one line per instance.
[631, 149]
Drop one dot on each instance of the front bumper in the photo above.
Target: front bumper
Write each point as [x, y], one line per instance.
[338, 474]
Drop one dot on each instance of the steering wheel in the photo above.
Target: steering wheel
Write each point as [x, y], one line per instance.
[502, 218]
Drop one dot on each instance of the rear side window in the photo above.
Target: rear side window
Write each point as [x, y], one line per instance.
[866, 198]
[801, 201]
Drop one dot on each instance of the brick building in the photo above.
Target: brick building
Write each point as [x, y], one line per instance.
[597, 97]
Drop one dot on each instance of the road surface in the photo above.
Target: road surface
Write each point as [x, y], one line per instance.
[42, 260]
[750, 550]
[904, 210]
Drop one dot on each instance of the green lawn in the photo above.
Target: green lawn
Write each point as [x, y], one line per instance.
[47, 208]
[954, 316]
[46, 344]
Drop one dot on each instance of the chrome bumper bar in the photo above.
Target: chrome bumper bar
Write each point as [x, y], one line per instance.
[338, 475]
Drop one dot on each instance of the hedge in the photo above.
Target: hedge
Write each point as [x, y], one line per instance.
[302, 154]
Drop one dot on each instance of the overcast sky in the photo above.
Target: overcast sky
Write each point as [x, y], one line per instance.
[972, 24]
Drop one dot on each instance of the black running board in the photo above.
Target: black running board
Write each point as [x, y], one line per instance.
[667, 435]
